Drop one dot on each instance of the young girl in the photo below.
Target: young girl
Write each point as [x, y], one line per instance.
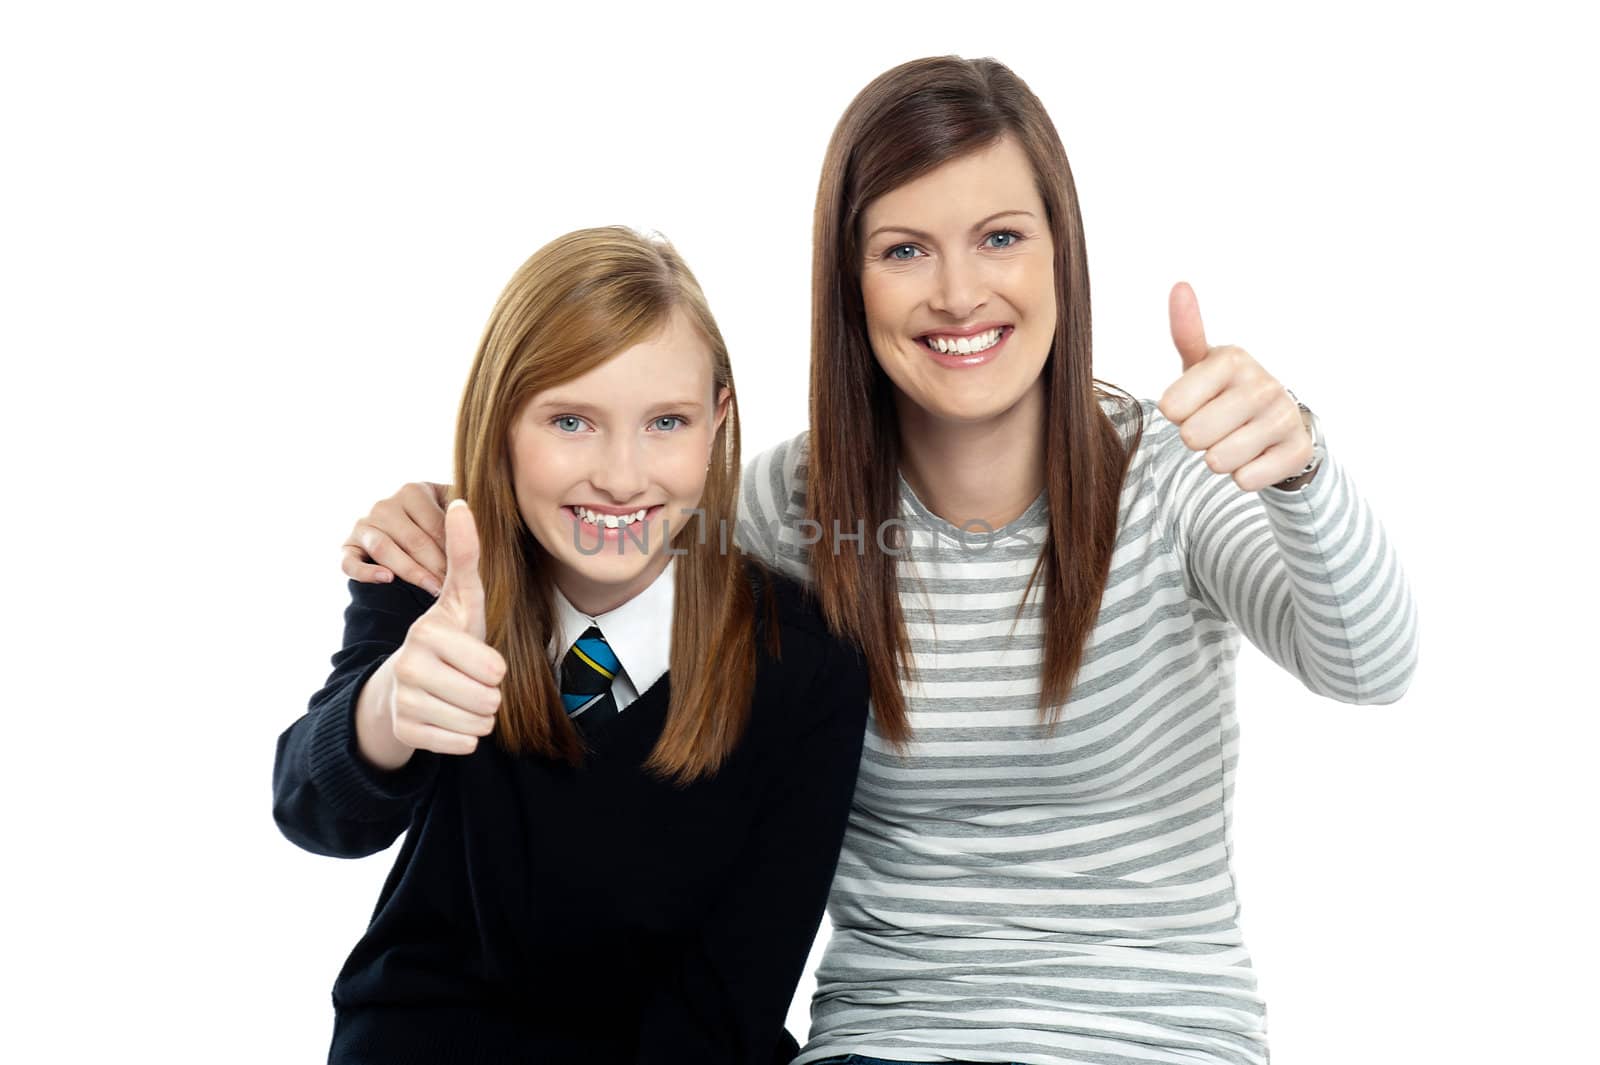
[1038, 864]
[622, 755]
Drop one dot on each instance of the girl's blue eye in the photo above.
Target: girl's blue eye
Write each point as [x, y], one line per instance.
[1009, 237]
[667, 418]
[894, 252]
[568, 423]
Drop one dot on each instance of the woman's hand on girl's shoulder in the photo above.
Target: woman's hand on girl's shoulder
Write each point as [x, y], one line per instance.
[401, 536]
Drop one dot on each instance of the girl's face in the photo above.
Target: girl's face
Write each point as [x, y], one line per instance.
[604, 465]
[959, 287]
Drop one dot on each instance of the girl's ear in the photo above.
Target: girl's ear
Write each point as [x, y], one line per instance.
[724, 398]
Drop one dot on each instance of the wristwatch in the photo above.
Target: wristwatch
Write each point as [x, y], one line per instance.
[1318, 452]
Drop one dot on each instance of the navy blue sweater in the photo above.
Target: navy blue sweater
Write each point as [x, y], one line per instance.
[541, 913]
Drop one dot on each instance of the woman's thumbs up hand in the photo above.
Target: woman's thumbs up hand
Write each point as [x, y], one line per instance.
[1226, 405]
[440, 691]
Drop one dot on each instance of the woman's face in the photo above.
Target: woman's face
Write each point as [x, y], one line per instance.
[604, 465]
[958, 284]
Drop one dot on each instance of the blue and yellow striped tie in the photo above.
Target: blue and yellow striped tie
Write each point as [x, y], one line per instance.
[586, 675]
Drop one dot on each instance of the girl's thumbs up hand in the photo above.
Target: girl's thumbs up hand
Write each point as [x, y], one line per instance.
[461, 597]
[443, 683]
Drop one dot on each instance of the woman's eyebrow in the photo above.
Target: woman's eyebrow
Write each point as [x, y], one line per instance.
[920, 235]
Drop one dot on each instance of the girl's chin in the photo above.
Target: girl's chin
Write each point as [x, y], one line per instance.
[606, 574]
[604, 561]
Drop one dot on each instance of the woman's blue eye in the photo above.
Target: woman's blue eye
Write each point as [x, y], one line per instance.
[562, 423]
[894, 252]
[667, 418]
[1008, 237]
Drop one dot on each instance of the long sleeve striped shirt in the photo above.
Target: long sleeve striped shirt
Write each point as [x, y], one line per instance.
[1010, 894]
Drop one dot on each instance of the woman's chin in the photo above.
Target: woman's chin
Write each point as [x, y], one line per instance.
[966, 409]
[969, 401]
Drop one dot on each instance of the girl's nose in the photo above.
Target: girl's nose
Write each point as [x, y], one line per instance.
[621, 472]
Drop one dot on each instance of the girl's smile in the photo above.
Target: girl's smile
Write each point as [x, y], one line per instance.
[611, 525]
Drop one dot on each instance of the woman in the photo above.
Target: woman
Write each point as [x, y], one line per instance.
[634, 869]
[1050, 586]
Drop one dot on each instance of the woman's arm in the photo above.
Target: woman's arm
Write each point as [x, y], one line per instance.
[772, 508]
[726, 999]
[1307, 575]
[1305, 572]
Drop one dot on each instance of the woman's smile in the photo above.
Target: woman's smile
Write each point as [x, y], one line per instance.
[958, 349]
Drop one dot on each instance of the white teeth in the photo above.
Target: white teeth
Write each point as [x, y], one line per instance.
[966, 345]
[610, 521]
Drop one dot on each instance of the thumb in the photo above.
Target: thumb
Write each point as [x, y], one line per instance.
[463, 589]
[1188, 333]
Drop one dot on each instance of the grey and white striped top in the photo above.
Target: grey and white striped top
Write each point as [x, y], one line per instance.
[1008, 895]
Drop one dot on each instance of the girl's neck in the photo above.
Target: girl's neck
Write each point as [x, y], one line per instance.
[965, 472]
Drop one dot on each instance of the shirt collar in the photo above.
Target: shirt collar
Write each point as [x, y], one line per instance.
[639, 631]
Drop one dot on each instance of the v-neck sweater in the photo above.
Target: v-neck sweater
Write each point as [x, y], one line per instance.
[538, 912]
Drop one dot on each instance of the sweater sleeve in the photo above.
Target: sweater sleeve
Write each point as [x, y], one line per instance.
[772, 508]
[326, 797]
[1308, 576]
[726, 999]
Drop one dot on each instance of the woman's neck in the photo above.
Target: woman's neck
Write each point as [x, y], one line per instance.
[966, 472]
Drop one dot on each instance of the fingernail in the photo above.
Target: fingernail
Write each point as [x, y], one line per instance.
[433, 589]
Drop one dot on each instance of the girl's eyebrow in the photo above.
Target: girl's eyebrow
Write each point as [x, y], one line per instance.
[920, 235]
[577, 406]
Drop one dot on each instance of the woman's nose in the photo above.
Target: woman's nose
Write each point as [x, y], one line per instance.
[958, 289]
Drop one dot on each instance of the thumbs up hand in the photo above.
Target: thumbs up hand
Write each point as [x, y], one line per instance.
[445, 678]
[461, 597]
[1227, 406]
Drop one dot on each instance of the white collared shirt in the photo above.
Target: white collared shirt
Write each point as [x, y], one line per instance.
[639, 633]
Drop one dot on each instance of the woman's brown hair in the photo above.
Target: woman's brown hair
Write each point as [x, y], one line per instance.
[575, 303]
[907, 122]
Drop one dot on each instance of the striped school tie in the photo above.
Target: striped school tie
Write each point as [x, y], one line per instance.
[586, 675]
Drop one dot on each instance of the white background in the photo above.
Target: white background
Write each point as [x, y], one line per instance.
[246, 258]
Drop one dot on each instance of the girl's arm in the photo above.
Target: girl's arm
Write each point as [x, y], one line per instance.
[326, 796]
